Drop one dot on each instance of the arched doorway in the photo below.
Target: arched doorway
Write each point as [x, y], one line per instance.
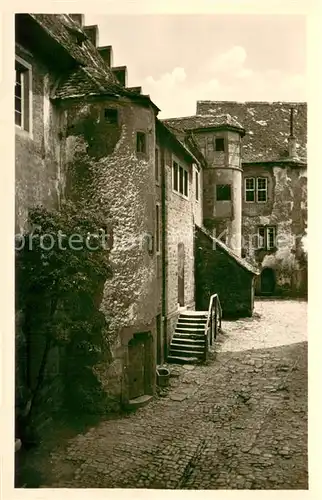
[181, 274]
[267, 281]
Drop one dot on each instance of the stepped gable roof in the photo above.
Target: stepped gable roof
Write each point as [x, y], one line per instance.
[228, 251]
[267, 126]
[91, 75]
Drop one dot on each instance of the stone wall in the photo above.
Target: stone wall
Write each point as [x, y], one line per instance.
[39, 180]
[217, 272]
[38, 166]
[103, 166]
[179, 229]
[286, 209]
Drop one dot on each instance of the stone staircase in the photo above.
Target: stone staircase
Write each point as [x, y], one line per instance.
[188, 342]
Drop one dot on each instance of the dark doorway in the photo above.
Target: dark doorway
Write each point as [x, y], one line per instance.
[181, 274]
[136, 369]
[267, 281]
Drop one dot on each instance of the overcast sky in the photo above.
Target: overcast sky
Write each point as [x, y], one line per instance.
[179, 59]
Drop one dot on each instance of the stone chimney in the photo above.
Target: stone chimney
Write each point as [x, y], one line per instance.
[78, 18]
[107, 54]
[292, 140]
[92, 33]
[120, 72]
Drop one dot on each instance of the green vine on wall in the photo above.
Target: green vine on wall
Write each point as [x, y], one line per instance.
[62, 264]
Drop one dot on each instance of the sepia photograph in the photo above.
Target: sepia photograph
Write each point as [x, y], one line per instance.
[161, 253]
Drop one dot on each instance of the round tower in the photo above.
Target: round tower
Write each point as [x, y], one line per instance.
[221, 144]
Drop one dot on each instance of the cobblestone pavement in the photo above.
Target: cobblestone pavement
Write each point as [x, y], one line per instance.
[239, 422]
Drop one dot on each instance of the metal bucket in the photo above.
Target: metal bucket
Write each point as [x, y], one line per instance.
[163, 376]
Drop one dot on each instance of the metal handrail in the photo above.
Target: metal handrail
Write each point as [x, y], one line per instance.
[214, 300]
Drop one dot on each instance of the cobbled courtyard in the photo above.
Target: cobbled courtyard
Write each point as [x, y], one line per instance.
[238, 422]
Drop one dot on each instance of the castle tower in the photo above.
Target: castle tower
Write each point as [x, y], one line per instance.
[221, 144]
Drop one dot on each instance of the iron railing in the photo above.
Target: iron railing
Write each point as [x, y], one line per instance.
[213, 324]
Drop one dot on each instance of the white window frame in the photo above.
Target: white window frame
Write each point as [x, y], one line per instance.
[268, 229]
[252, 190]
[261, 190]
[265, 245]
[26, 74]
[184, 169]
[158, 228]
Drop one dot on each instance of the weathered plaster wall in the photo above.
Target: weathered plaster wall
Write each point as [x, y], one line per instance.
[38, 171]
[39, 179]
[287, 210]
[104, 167]
[179, 229]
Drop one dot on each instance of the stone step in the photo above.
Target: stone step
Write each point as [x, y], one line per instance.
[186, 346]
[188, 341]
[191, 336]
[192, 324]
[182, 360]
[189, 330]
[192, 319]
[185, 353]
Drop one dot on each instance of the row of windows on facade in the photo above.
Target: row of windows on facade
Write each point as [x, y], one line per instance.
[255, 190]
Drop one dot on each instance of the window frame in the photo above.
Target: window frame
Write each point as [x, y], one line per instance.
[145, 135]
[230, 192]
[261, 190]
[253, 190]
[266, 230]
[222, 139]
[27, 74]
[116, 116]
[182, 179]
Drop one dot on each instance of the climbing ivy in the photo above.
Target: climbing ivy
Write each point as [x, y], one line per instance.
[62, 264]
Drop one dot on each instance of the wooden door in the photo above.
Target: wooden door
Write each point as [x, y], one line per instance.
[267, 281]
[136, 371]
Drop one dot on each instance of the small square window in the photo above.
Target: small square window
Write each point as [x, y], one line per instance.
[220, 144]
[110, 115]
[141, 142]
[223, 192]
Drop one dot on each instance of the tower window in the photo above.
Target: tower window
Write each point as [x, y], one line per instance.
[220, 144]
[141, 142]
[223, 192]
[110, 115]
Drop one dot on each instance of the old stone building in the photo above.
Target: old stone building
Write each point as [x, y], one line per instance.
[173, 190]
[256, 199]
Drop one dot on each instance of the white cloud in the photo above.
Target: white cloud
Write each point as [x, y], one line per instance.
[225, 77]
[168, 80]
[230, 61]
